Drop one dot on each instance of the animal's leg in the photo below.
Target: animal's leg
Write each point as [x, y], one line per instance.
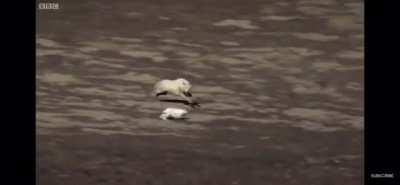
[186, 98]
[188, 94]
[162, 93]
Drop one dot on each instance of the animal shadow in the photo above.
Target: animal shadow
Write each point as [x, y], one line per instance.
[185, 102]
[179, 119]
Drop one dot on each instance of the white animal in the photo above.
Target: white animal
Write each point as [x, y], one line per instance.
[179, 87]
[173, 113]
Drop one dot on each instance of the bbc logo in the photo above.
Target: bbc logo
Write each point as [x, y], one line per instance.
[49, 6]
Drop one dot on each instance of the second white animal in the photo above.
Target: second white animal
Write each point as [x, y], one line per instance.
[173, 113]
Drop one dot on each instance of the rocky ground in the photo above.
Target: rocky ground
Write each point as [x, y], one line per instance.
[280, 84]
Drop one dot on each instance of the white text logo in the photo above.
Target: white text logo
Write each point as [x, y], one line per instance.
[49, 6]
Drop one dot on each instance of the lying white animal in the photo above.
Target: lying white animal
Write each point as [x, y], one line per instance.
[173, 113]
[179, 87]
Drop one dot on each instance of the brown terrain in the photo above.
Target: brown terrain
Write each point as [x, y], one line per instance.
[280, 84]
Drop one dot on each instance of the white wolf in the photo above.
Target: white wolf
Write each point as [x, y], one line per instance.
[179, 87]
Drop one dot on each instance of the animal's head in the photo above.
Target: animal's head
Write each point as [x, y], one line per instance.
[184, 85]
